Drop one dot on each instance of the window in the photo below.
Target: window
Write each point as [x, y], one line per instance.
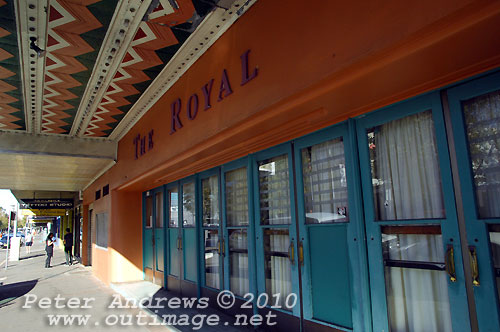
[102, 229]
[105, 190]
[98, 194]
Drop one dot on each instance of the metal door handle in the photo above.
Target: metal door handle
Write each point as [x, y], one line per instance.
[474, 266]
[301, 253]
[218, 247]
[223, 247]
[178, 246]
[180, 243]
[450, 263]
[291, 253]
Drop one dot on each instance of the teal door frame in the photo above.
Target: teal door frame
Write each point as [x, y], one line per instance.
[485, 293]
[147, 239]
[172, 234]
[356, 259]
[159, 234]
[189, 235]
[286, 150]
[219, 228]
[449, 224]
[252, 273]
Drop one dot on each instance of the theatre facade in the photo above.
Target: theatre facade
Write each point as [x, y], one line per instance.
[335, 163]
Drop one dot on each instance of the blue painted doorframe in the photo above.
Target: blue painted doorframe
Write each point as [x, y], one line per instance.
[449, 224]
[335, 271]
[485, 292]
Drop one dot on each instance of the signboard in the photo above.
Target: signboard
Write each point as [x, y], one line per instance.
[46, 204]
[46, 212]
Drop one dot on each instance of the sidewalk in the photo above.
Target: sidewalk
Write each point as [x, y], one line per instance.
[27, 281]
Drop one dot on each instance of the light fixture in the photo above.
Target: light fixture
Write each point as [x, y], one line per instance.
[35, 47]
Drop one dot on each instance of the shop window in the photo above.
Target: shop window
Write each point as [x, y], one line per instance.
[102, 230]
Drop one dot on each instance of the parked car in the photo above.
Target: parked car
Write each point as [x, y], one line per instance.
[3, 240]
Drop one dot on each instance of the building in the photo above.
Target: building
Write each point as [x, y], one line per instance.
[338, 161]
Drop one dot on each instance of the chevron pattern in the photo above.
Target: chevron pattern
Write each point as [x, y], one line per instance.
[68, 20]
[7, 119]
[151, 36]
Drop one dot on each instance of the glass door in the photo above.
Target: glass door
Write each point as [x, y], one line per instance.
[212, 236]
[331, 250]
[159, 236]
[239, 262]
[173, 237]
[416, 273]
[475, 116]
[188, 243]
[148, 236]
[276, 236]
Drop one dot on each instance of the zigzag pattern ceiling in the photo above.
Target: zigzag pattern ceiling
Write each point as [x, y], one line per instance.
[154, 43]
[11, 101]
[73, 39]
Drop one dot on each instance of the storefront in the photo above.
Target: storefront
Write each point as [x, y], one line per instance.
[338, 168]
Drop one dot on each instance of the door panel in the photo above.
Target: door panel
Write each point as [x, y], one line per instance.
[148, 239]
[159, 232]
[173, 236]
[238, 228]
[331, 250]
[409, 204]
[475, 118]
[276, 232]
[330, 277]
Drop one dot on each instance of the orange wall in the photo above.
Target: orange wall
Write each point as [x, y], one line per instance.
[317, 66]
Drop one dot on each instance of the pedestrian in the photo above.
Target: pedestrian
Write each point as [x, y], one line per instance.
[49, 248]
[68, 246]
[29, 242]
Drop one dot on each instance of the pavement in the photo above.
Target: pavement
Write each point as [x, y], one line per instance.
[63, 298]
[67, 298]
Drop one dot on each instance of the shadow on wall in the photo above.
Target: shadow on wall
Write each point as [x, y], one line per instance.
[13, 291]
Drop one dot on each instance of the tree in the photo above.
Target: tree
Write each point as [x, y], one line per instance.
[4, 219]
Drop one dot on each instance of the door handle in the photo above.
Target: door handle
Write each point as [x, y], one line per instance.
[450, 263]
[474, 266]
[180, 243]
[291, 253]
[218, 247]
[301, 253]
[223, 247]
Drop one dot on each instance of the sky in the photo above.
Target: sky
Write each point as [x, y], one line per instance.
[7, 199]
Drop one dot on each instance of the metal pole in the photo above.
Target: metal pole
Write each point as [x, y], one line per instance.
[8, 239]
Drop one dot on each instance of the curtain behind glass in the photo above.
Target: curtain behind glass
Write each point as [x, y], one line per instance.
[405, 169]
[417, 299]
[325, 183]
[482, 119]
[274, 191]
[237, 197]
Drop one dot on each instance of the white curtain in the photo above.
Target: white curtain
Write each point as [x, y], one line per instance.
[281, 276]
[406, 171]
[417, 299]
[237, 197]
[239, 283]
[275, 191]
[325, 183]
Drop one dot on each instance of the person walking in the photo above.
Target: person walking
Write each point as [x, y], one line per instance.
[49, 248]
[29, 242]
[68, 246]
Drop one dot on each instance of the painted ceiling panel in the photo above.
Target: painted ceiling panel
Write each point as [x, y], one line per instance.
[75, 34]
[11, 99]
[78, 67]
